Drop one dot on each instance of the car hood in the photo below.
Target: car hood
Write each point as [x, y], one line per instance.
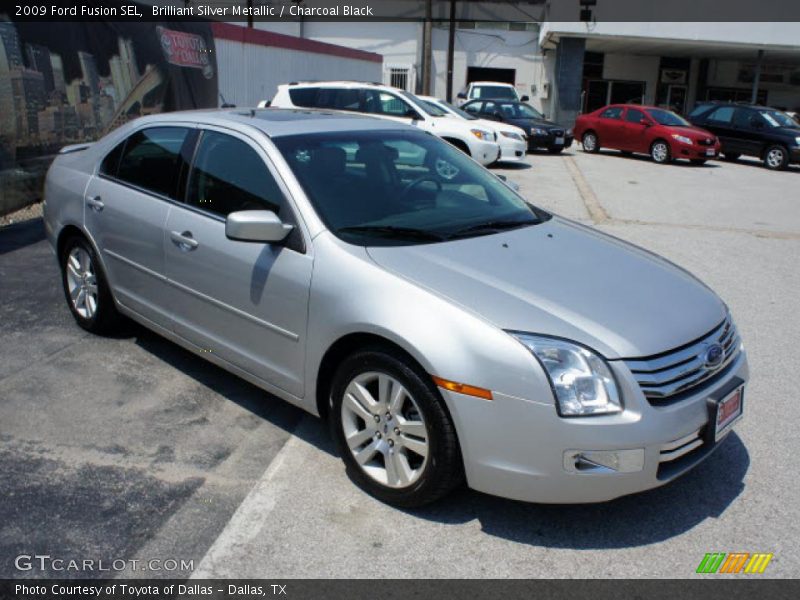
[693, 132]
[562, 279]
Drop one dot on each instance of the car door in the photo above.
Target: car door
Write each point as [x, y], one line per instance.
[610, 127]
[244, 302]
[127, 204]
[720, 122]
[749, 130]
[633, 137]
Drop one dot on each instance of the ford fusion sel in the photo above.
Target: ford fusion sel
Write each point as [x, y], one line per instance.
[371, 273]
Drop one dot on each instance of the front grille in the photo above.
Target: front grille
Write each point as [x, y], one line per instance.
[667, 377]
[557, 132]
[706, 142]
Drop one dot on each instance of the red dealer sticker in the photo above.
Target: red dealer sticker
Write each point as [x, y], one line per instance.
[185, 50]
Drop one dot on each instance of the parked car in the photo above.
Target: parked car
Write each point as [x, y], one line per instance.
[512, 140]
[393, 104]
[484, 90]
[541, 132]
[371, 273]
[661, 133]
[766, 133]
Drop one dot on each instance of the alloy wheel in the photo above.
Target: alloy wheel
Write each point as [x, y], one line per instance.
[660, 152]
[775, 158]
[384, 429]
[82, 282]
[589, 142]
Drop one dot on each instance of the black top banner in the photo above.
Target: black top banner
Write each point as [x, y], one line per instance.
[587, 11]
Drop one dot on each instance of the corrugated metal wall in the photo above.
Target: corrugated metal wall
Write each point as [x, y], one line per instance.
[249, 73]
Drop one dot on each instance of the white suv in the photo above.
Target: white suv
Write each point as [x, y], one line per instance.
[393, 104]
[493, 90]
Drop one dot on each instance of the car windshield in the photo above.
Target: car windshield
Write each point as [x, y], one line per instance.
[667, 117]
[391, 187]
[776, 118]
[428, 107]
[498, 92]
[454, 110]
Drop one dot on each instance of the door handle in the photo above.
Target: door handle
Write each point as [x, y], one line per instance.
[95, 203]
[184, 240]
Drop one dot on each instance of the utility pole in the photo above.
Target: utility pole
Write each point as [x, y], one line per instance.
[427, 52]
[451, 46]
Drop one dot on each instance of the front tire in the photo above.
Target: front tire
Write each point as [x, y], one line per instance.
[660, 153]
[85, 289]
[776, 158]
[590, 142]
[392, 429]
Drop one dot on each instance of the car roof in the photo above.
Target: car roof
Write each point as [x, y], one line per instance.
[339, 83]
[491, 83]
[277, 122]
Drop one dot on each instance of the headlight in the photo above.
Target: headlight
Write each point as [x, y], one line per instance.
[797, 141]
[483, 135]
[537, 131]
[512, 135]
[569, 132]
[682, 138]
[582, 381]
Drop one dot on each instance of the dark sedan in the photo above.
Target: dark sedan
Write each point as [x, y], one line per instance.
[541, 132]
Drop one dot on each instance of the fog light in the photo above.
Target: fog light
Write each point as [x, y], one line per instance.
[604, 461]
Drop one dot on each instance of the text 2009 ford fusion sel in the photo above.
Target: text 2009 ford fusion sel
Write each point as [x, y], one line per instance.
[375, 275]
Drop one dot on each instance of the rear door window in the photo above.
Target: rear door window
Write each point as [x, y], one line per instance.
[722, 115]
[305, 96]
[152, 160]
[615, 112]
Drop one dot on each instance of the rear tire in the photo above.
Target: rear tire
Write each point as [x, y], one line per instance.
[85, 288]
[660, 152]
[776, 158]
[590, 142]
[403, 452]
[731, 156]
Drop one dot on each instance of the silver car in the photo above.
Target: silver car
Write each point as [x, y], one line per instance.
[374, 275]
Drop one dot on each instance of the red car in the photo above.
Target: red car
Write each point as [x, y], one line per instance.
[661, 133]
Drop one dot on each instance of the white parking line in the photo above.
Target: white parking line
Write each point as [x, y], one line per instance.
[255, 509]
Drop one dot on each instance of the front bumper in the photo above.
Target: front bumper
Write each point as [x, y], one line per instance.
[516, 448]
[512, 150]
[547, 141]
[695, 151]
[794, 154]
[484, 152]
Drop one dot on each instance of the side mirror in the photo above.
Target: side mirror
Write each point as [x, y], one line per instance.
[461, 96]
[256, 226]
[524, 99]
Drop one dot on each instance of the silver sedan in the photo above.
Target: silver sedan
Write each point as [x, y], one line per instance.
[369, 273]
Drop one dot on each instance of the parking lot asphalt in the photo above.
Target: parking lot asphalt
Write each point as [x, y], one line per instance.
[130, 447]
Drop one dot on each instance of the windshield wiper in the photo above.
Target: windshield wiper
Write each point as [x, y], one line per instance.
[394, 231]
[492, 227]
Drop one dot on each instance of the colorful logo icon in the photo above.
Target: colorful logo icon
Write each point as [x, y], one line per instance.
[734, 562]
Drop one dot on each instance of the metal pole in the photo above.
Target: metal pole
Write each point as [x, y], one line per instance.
[451, 46]
[757, 77]
[427, 51]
